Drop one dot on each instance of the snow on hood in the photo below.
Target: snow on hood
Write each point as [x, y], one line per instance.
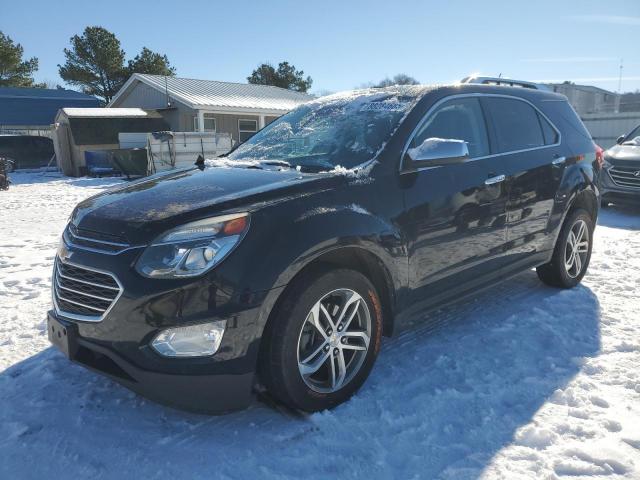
[224, 162]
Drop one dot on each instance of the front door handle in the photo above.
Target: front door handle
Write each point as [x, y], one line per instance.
[558, 160]
[494, 180]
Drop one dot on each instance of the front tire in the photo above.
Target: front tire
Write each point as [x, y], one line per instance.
[323, 341]
[572, 252]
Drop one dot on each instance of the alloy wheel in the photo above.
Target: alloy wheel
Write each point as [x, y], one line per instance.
[576, 248]
[334, 340]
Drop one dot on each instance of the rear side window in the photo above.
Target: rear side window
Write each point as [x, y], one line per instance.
[550, 134]
[516, 124]
[459, 119]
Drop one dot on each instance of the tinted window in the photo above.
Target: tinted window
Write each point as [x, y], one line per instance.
[516, 124]
[459, 119]
[550, 134]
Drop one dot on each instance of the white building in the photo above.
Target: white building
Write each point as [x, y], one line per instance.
[587, 98]
[205, 105]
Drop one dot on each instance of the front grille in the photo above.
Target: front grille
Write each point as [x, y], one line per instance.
[90, 240]
[625, 176]
[83, 294]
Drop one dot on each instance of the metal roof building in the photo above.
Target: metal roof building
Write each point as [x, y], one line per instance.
[223, 96]
[206, 105]
[34, 109]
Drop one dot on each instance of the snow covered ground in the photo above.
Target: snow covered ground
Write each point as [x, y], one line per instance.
[524, 381]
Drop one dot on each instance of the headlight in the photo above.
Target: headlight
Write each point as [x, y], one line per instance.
[192, 341]
[194, 248]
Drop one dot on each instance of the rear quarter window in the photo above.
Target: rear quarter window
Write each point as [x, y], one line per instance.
[516, 124]
[574, 134]
[549, 133]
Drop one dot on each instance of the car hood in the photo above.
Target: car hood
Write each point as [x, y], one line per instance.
[139, 211]
[623, 153]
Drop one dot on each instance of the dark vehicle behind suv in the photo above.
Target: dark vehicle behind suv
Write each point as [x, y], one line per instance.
[621, 180]
[27, 151]
[283, 264]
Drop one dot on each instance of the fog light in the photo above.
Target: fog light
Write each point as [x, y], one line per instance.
[192, 341]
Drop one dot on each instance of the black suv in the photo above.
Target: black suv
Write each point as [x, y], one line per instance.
[621, 182]
[283, 264]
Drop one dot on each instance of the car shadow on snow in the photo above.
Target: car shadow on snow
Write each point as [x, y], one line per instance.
[443, 399]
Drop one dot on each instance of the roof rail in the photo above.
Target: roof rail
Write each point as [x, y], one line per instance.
[507, 82]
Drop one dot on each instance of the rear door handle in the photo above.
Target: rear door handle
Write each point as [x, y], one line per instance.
[558, 160]
[494, 180]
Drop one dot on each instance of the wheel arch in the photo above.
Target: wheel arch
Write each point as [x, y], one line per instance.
[587, 200]
[353, 257]
[578, 191]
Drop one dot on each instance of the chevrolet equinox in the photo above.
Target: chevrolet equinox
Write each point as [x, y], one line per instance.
[282, 265]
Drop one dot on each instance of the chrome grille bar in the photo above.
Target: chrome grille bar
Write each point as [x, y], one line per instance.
[97, 297]
[64, 299]
[84, 281]
[625, 176]
[94, 241]
[82, 293]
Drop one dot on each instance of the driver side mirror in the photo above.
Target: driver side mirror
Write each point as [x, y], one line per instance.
[620, 139]
[436, 152]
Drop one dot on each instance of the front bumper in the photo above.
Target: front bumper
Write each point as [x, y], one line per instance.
[118, 344]
[201, 393]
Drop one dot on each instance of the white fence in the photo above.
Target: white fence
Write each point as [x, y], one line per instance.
[168, 150]
[38, 132]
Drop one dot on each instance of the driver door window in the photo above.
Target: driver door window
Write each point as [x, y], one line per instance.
[459, 119]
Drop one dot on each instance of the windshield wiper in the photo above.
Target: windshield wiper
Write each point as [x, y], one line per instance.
[315, 168]
[309, 167]
[277, 163]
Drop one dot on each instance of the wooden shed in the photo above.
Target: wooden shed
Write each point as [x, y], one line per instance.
[78, 130]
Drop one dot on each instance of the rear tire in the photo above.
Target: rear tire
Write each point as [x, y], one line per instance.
[323, 341]
[572, 252]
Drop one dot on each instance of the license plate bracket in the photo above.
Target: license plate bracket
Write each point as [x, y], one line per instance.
[63, 335]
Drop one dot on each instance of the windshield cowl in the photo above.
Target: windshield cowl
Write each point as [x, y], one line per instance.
[282, 165]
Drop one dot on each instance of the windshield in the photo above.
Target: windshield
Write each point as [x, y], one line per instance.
[343, 130]
[634, 136]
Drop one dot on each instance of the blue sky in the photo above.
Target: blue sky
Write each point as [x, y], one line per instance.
[344, 44]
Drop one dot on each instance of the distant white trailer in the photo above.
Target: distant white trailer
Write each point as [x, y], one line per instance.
[169, 150]
[133, 140]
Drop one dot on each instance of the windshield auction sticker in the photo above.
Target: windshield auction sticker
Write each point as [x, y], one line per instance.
[384, 107]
